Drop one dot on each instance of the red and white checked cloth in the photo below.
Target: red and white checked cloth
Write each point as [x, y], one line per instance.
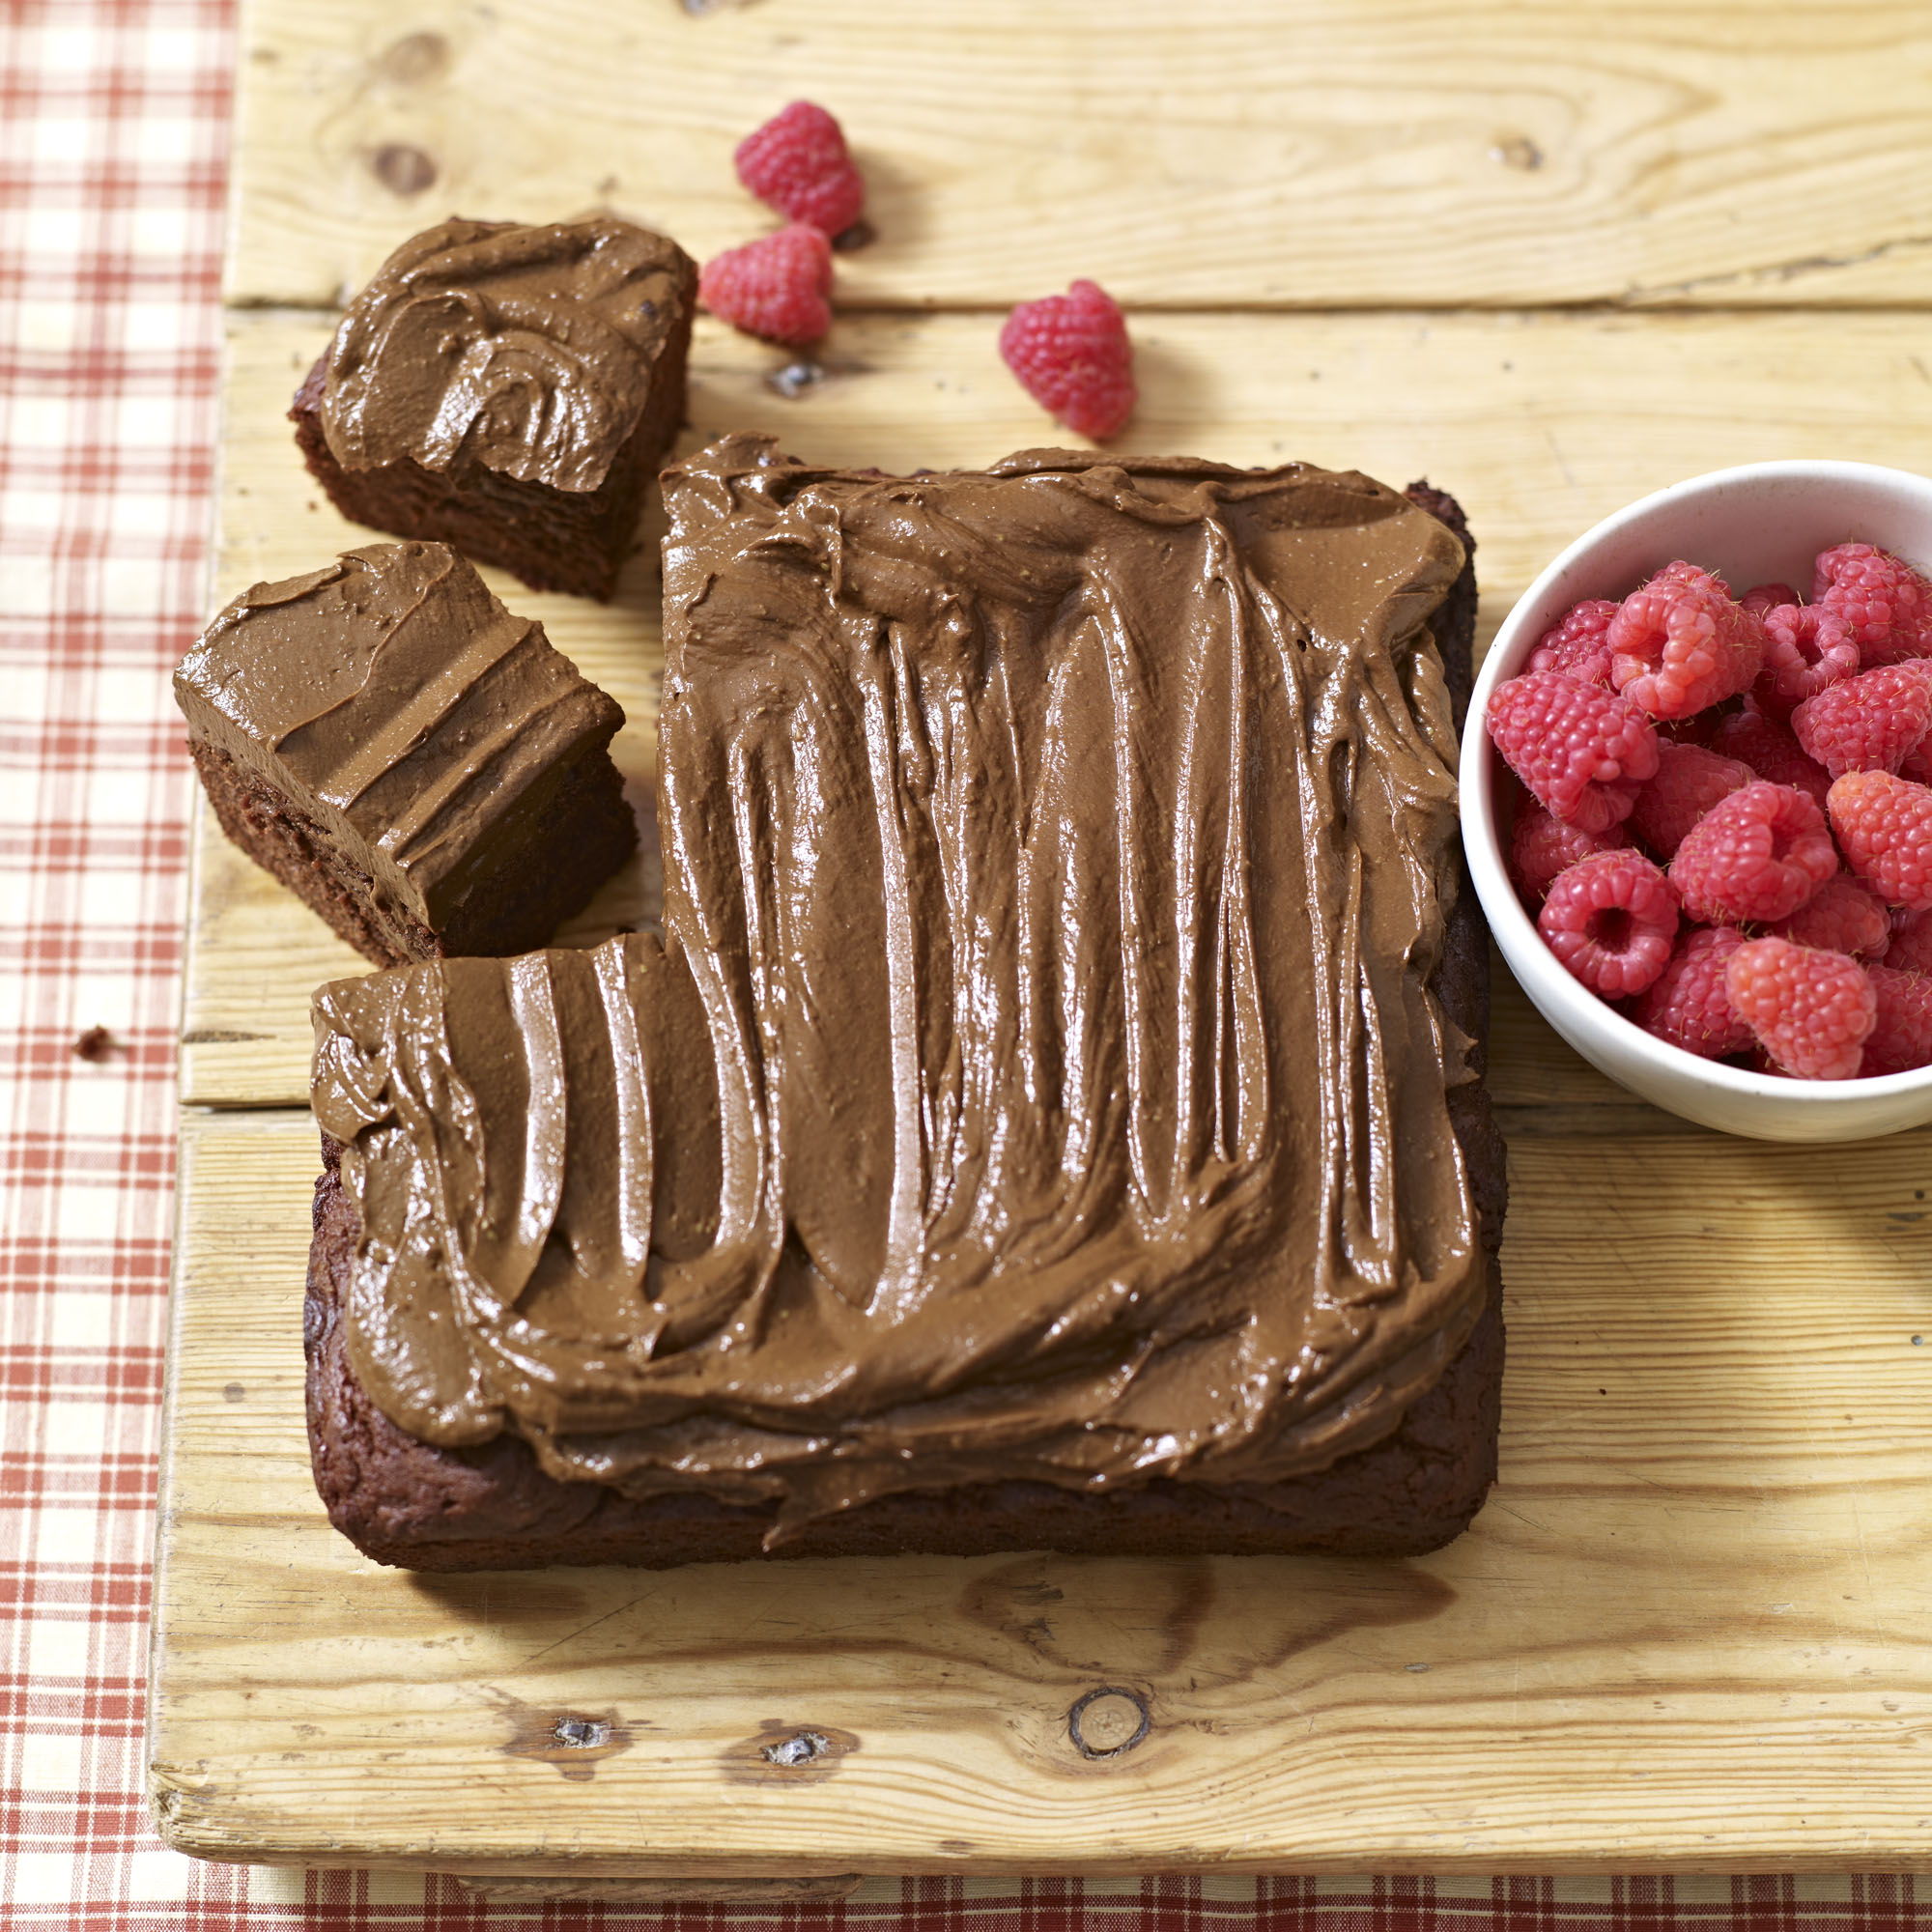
[114, 131]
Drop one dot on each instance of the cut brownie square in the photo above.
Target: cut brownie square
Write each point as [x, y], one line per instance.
[508, 389]
[413, 761]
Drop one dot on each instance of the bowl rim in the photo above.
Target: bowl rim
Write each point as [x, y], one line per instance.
[1545, 981]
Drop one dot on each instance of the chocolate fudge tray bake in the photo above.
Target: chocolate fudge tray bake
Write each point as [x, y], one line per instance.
[1053, 1115]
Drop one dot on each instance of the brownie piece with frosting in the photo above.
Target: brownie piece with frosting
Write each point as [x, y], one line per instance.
[510, 389]
[1053, 1116]
[416, 763]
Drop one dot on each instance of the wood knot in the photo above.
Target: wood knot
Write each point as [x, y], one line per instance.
[402, 169]
[415, 58]
[1108, 1722]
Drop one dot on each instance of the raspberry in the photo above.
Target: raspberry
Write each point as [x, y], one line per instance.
[1911, 947]
[797, 163]
[1885, 827]
[1574, 643]
[1610, 920]
[1758, 854]
[1688, 1004]
[1770, 750]
[1679, 644]
[1917, 763]
[1811, 1011]
[1806, 648]
[1581, 750]
[1901, 1035]
[1073, 356]
[1870, 722]
[1689, 781]
[1841, 916]
[1541, 847]
[1766, 597]
[1885, 603]
[774, 287]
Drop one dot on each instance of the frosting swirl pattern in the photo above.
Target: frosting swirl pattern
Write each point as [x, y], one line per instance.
[526, 350]
[1038, 1076]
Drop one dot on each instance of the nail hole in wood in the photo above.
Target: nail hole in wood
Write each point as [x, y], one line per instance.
[580, 1733]
[801, 1747]
[1108, 1722]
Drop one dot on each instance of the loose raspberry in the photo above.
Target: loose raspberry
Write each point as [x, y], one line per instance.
[1806, 648]
[797, 163]
[1868, 722]
[1911, 947]
[1688, 1004]
[1885, 826]
[1758, 854]
[1073, 356]
[1679, 644]
[1689, 781]
[1770, 750]
[1885, 603]
[1574, 643]
[1581, 750]
[1812, 1010]
[1761, 598]
[1610, 919]
[1541, 847]
[1841, 916]
[1901, 1035]
[774, 287]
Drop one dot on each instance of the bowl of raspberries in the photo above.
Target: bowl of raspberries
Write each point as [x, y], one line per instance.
[1698, 798]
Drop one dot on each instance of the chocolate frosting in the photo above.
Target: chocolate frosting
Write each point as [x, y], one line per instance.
[1038, 1076]
[527, 349]
[397, 703]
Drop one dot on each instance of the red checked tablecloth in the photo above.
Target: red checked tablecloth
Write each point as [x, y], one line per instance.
[114, 129]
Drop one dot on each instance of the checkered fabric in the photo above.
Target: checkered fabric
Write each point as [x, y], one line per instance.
[113, 129]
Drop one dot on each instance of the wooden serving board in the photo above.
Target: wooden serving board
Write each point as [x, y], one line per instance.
[1692, 1629]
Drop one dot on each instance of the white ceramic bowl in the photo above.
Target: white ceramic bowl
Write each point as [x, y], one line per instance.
[1761, 523]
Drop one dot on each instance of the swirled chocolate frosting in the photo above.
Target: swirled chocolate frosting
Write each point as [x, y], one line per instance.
[527, 349]
[1039, 1075]
[398, 703]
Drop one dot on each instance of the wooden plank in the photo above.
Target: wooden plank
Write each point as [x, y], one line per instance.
[1540, 424]
[1689, 1632]
[1345, 154]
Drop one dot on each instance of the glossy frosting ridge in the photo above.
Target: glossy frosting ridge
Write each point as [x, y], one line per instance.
[1037, 1075]
[392, 695]
[526, 349]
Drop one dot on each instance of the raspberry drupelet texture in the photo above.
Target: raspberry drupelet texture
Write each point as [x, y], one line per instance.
[1576, 644]
[1911, 947]
[797, 162]
[1757, 855]
[1582, 751]
[1073, 356]
[1868, 722]
[1812, 1012]
[1688, 1004]
[1689, 781]
[1770, 750]
[1807, 649]
[1842, 916]
[1679, 644]
[1763, 597]
[774, 287]
[1901, 1034]
[1542, 849]
[1884, 828]
[1611, 919]
[1885, 603]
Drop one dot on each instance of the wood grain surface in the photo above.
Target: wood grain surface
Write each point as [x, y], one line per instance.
[1692, 1627]
[1252, 153]
[1552, 257]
